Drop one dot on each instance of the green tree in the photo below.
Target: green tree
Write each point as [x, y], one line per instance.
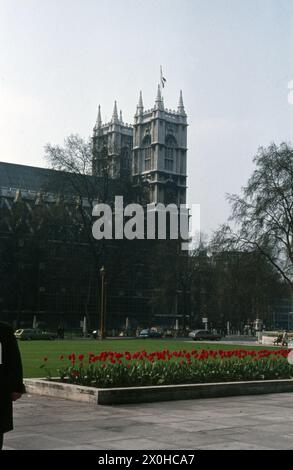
[263, 213]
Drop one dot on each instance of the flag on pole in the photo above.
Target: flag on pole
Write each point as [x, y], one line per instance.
[163, 80]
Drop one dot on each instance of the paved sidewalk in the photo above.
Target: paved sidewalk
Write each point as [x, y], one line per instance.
[250, 422]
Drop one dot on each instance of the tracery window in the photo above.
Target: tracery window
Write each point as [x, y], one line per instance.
[170, 153]
[147, 152]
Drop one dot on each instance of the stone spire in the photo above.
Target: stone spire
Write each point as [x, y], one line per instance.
[139, 108]
[159, 94]
[99, 119]
[181, 109]
[120, 117]
[159, 100]
[115, 113]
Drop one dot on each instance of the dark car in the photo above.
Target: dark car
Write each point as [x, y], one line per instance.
[27, 334]
[200, 335]
[150, 334]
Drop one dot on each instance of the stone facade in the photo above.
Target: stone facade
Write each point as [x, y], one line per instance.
[112, 146]
[153, 151]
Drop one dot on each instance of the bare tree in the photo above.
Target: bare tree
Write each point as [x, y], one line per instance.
[263, 212]
[76, 179]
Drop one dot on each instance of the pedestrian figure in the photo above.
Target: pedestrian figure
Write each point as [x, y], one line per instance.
[285, 338]
[11, 381]
[60, 332]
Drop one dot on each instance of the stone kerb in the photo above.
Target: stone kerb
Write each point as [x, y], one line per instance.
[111, 396]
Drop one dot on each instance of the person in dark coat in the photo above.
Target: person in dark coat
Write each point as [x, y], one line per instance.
[11, 379]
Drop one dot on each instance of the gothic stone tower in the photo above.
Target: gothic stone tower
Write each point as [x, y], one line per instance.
[159, 151]
[112, 146]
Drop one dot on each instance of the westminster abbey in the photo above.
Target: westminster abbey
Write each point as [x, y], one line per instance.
[49, 264]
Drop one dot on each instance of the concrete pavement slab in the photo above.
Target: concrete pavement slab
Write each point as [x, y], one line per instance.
[257, 422]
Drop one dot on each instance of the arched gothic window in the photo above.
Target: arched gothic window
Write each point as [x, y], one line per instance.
[125, 158]
[170, 152]
[147, 152]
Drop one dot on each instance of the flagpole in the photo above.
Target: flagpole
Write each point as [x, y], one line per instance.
[162, 78]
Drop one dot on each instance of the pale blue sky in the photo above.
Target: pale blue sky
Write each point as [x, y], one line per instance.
[233, 60]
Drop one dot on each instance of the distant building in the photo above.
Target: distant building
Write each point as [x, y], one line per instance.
[281, 315]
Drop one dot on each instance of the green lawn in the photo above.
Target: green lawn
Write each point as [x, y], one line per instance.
[33, 352]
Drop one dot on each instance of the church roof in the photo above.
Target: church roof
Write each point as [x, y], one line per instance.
[28, 178]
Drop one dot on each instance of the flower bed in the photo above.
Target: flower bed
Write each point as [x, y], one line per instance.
[116, 369]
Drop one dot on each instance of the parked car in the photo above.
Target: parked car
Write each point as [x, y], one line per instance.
[199, 335]
[27, 334]
[168, 334]
[150, 334]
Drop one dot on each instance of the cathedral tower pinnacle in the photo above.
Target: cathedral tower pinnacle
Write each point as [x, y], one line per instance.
[181, 109]
[159, 104]
[99, 119]
[115, 113]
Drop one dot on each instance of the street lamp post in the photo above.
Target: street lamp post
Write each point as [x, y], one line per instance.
[103, 303]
